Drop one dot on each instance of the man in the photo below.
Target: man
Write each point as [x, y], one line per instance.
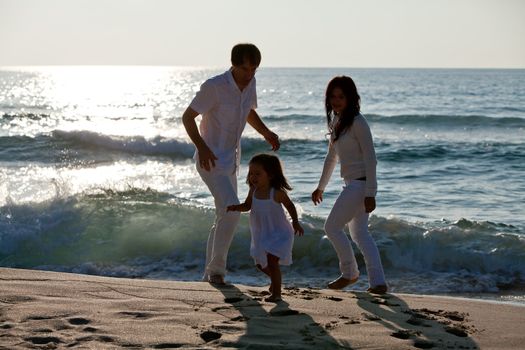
[226, 102]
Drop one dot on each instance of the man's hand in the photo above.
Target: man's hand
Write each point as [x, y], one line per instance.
[206, 158]
[273, 140]
[204, 153]
[255, 121]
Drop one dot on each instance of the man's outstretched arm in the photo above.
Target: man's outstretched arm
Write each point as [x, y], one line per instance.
[255, 121]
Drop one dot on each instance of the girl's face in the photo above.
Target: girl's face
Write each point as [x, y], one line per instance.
[257, 176]
[337, 100]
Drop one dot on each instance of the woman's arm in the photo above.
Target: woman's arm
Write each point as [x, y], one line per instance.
[364, 137]
[330, 162]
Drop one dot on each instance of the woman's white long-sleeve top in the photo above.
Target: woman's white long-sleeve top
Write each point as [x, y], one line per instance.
[355, 151]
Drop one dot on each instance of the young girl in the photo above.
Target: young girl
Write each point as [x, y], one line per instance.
[272, 234]
[351, 142]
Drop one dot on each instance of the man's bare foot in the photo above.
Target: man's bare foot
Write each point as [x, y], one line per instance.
[216, 279]
[380, 289]
[342, 282]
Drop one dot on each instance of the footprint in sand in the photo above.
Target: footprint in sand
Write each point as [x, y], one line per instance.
[43, 340]
[287, 312]
[334, 298]
[78, 321]
[405, 333]
[139, 315]
[423, 344]
[101, 338]
[166, 346]
[371, 317]
[446, 318]
[233, 300]
[416, 321]
[456, 330]
[209, 336]
[350, 321]
[240, 319]
[43, 330]
[90, 330]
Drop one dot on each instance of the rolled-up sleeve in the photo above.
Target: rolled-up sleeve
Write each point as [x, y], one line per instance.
[205, 99]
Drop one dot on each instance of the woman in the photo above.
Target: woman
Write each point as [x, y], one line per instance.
[350, 142]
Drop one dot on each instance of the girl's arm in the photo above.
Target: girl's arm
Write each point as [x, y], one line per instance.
[246, 206]
[282, 197]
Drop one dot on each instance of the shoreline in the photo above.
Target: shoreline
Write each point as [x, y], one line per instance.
[55, 310]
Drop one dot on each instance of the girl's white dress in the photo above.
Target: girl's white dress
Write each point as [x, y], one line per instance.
[271, 231]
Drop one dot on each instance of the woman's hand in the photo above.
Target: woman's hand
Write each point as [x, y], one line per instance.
[317, 196]
[370, 204]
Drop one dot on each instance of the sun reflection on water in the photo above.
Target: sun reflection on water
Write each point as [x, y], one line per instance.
[111, 100]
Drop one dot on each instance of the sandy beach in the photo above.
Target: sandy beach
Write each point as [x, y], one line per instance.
[49, 310]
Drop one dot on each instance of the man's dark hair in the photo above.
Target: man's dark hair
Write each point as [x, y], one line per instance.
[245, 52]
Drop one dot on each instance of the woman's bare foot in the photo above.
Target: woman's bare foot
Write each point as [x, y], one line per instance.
[273, 298]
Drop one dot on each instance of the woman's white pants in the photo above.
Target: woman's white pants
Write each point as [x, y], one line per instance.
[349, 209]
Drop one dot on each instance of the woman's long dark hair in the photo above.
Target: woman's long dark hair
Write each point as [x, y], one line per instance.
[272, 166]
[353, 105]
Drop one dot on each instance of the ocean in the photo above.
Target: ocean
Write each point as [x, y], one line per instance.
[97, 177]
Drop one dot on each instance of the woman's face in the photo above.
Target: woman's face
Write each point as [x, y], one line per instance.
[337, 100]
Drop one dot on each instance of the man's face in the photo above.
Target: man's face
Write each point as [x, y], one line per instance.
[246, 72]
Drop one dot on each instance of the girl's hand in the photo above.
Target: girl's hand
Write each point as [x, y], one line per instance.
[370, 204]
[298, 229]
[317, 196]
[235, 207]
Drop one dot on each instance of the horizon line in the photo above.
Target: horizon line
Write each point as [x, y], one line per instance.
[262, 67]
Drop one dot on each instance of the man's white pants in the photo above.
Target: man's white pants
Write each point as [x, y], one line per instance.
[223, 188]
[349, 208]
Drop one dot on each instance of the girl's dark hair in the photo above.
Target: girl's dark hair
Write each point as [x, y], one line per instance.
[245, 52]
[353, 107]
[272, 165]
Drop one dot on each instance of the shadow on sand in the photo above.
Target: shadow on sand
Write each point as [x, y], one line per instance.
[425, 328]
[266, 322]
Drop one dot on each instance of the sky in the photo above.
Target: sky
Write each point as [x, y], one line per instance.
[289, 33]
